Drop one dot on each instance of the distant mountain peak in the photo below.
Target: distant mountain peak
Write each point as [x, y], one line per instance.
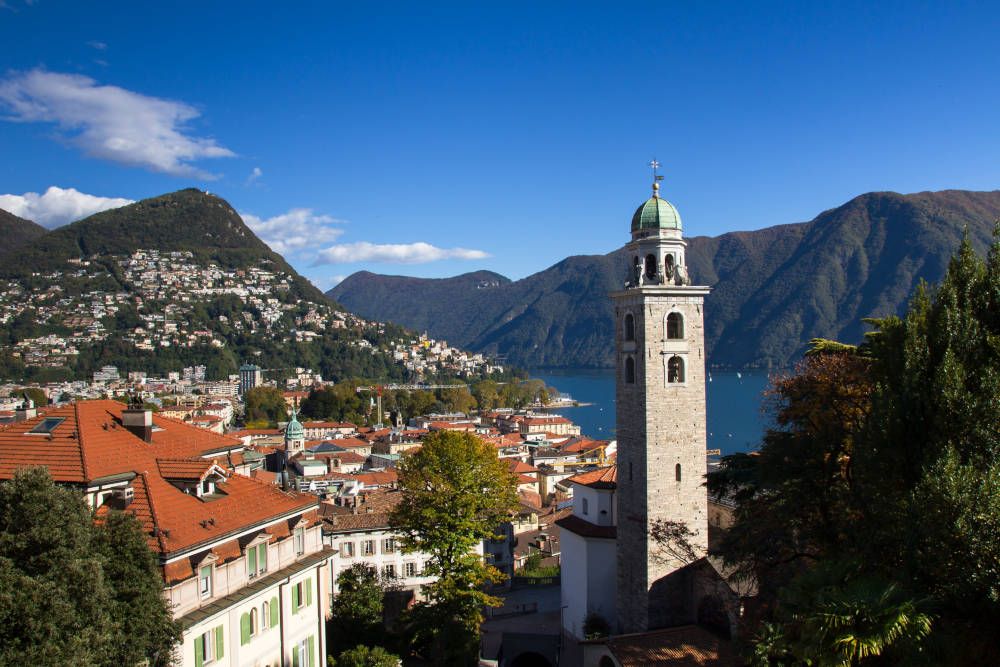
[773, 288]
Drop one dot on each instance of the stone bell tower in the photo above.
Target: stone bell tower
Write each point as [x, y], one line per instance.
[660, 352]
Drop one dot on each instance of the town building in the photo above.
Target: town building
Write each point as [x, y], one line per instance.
[250, 376]
[244, 564]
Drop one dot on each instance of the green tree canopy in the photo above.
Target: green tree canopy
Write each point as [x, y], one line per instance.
[455, 494]
[72, 592]
[882, 475]
[364, 656]
[265, 404]
[356, 612]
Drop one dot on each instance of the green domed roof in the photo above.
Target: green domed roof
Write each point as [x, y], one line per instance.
[294, 430]
[656, 213]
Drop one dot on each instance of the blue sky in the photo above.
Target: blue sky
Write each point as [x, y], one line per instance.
[436, 138]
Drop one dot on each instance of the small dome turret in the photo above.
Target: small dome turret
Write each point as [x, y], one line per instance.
[656, 213]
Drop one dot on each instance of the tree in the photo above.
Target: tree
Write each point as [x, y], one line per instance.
[72, 592]
[35, 394]
[455, 494]
[356, 613]
[265, 404]
[363, 656]
[873, 508]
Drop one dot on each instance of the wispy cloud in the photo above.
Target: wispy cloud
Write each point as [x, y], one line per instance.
[254, 176]
[298, 229]
[100, 46]
[109, 122]
[58, 206]
[393, 253]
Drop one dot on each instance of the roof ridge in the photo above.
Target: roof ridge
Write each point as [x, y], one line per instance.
[157, 531]
[79, 439]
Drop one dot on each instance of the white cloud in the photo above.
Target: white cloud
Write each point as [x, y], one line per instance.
[393, 253]
[297, 229]
[254, 175]
[58, 206]
[95, 44]
[109, 122]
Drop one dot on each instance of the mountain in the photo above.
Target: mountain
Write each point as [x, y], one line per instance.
[16, 231]
[179, 281]
[187, 220]
[773, 289]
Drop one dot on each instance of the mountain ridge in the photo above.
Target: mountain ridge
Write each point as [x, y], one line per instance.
[773, 288]
[17, 231]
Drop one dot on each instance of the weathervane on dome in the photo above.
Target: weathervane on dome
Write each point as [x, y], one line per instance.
[655, 164]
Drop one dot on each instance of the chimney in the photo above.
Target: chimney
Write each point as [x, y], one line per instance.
[26, 410]
[139, 422]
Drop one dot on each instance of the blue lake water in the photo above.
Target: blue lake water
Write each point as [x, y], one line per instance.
[735, 419]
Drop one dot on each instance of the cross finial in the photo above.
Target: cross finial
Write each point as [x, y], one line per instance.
[655, 164]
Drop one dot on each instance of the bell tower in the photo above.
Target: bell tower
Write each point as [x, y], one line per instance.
[660, 390]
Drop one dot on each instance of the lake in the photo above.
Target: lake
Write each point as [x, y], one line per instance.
[735, 421]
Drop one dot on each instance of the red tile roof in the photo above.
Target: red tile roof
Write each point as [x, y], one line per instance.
[91, 443]
[685, 645]
[602, 478]
[584, 528]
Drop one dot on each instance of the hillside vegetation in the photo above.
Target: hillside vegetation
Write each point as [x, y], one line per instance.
[773, 289]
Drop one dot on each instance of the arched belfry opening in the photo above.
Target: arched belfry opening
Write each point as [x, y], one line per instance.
[629, 326]
[629, 370]
[675, 326]
[650, 267]
[675, 370]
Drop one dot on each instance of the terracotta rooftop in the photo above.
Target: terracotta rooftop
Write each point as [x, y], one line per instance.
[90, 443]
[688, 645]
[584, 528]
[602, 478]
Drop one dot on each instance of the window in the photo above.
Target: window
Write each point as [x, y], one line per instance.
[675, 369]
[301, 595]
[265, 616]
[47, 425]
[256, 558]
[300, 541]
[629, 370]
[389, 545]
[650, 267]
[254, 621]
[302, 653]
[409, 569]
[675, 326]
[368, 548]
[347, 549]
[677, 472]
[629, 327]
[586, 506]
[389, 571]
[209, 647]
[205, 581]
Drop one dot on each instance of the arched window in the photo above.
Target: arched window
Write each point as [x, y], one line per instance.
[265, 616]
[675, 369]
[629, 327]
[675, 326]
[677, 472]
[650, 267]
[586, 506]
[629, 370]
[253, 621]
[668, 266]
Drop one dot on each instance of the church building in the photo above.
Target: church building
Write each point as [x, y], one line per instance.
[617, 578]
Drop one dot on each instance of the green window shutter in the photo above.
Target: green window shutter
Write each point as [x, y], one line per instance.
[309, 591]
[251, 561]
[312, 651]
[274, 612]
[263, 557]
[244, 629]
[295, 656]
[219, 647]
[199, 651]
[295, 599]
